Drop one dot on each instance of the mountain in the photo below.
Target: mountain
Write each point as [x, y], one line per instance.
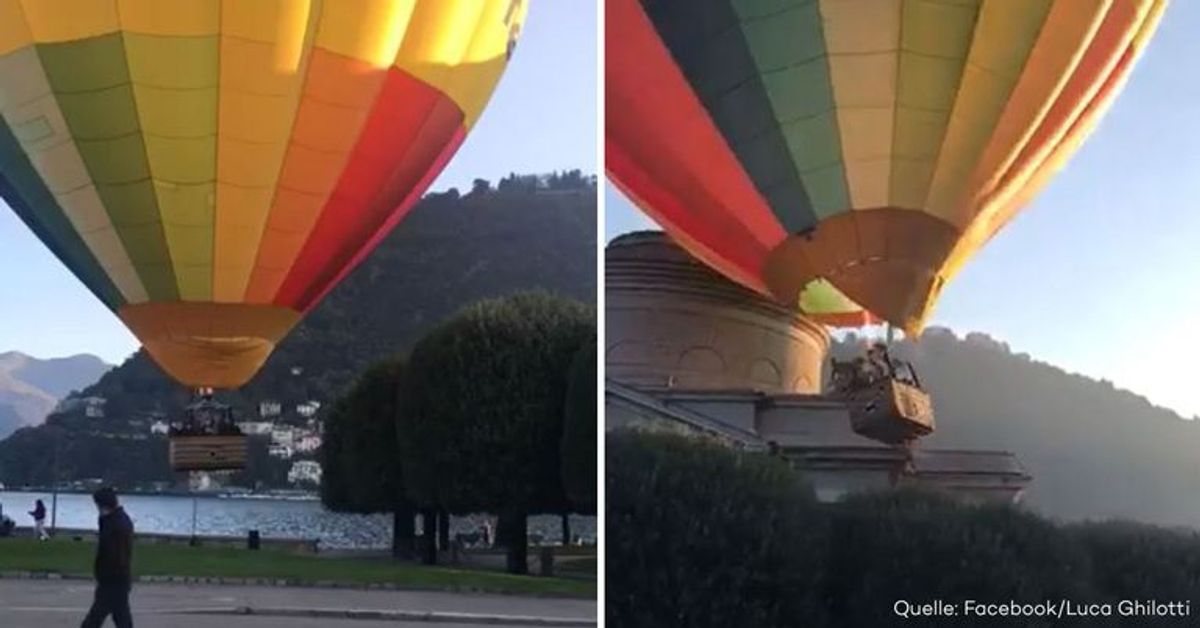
[58, 377]
[529, 232]
[1095, 451]
[29, 387]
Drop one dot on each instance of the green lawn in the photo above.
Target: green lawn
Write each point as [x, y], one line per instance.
[75, 557]
[581, 565]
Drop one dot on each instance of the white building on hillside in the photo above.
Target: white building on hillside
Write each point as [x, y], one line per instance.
[305, 471]
[283, 435]
[308, 442]
[93, 407]
[256, 427]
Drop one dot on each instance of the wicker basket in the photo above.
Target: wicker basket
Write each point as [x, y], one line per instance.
[892, 412]
[208, 453]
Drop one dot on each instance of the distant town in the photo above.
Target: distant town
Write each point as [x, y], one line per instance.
[295, 435]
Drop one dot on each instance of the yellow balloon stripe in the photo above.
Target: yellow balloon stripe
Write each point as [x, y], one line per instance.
[997, 215]
[367, 30]
[1069, 29]
[1111, 43]
[172, 51]
[935, 39]
[175, 92]
[173, 18]
[340, 86]
[1081, 128]
[216, 136]
[462, 62]
[53, 21]
[259, 97]
[862, 39]
[1005, 34]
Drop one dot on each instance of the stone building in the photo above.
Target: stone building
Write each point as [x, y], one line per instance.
[689, 351]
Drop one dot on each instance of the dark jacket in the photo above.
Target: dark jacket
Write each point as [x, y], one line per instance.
[114, 552]
[38, 512]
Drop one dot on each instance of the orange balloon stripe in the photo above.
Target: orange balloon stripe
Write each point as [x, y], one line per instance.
[414, 195]
[1108, 45]
[338, 97]
[409, 113]
[985, 227]
[1079, 131]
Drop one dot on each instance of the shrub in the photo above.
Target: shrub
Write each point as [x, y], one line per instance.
[921, 547]
[699, 535]
[1139, 561]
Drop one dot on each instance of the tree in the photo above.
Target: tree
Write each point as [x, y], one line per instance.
[579, 430]
[480, 186]
[482, 422]
[359, 454]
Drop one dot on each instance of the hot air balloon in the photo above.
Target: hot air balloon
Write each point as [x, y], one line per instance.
[209, 169]
[854, 149]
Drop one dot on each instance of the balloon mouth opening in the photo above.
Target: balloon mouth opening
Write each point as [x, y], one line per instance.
[889, 261]
[213, 345]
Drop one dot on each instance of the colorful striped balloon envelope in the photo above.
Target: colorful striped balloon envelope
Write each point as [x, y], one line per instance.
[812, 149]
[211, 168]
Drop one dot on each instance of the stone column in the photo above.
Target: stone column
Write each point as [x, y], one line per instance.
[671, 322]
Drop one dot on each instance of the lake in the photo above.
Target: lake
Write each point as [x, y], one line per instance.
[273, 518]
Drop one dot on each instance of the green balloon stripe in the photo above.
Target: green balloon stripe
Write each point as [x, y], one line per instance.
[90, 80]
[35, 205]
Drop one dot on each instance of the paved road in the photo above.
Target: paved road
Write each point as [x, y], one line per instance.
[50, 603]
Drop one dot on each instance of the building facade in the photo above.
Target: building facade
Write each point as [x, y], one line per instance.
[691, 352]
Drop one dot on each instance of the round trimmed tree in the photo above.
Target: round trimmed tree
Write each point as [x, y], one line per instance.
[579, 430]
[360, 460]
[482, 423]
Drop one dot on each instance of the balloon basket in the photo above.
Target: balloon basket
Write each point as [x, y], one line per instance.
[207, 453]
[207, 439]
[891, 411]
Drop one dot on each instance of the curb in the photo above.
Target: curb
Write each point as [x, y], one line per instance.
[288, 583]
[399, 616]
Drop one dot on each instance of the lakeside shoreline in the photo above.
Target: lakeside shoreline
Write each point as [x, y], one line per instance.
[235, 517]
[274, 494]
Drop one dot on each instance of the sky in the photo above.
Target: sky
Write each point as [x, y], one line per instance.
[542, 117]
[1101, 273]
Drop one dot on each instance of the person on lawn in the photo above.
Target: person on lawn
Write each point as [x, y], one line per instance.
[39, 521]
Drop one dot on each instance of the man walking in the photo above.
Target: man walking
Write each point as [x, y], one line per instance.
[114, 557]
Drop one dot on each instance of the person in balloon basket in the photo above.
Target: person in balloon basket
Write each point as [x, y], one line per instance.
[39, 520]
[114, 560]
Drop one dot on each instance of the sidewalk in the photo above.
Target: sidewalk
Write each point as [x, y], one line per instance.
[63, 602]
